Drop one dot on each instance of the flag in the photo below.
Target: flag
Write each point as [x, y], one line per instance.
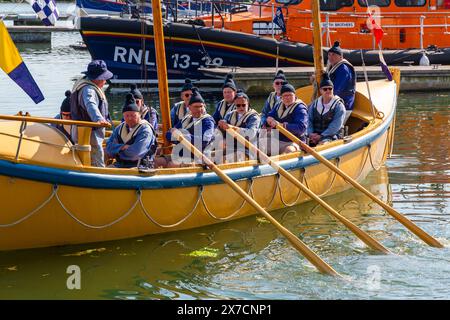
[376, 28]
[378, 34]
[46, 11]
[15, 68]
[384, 66]
[279, 19]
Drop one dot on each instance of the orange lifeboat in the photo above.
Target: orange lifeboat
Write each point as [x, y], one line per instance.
[406, 23]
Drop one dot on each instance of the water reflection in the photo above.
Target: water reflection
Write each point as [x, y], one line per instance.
[422, 141]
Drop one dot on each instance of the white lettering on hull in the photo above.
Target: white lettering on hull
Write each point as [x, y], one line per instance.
[178, 61]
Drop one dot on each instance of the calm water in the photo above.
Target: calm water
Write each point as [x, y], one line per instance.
[248, 259]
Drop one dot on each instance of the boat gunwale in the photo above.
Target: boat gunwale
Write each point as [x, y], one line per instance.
[95, 180]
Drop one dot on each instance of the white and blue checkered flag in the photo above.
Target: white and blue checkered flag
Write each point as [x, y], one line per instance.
[46, 11]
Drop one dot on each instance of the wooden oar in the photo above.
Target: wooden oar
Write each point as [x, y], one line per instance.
[364, 236]
[55, 121]
[399, 217]
[310, 255]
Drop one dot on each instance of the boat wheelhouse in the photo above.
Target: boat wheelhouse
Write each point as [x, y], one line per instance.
[406, 23]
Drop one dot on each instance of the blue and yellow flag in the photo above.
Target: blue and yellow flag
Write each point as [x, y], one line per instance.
[11, 62]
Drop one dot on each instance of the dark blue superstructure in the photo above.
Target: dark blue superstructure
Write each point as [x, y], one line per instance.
[127, 47]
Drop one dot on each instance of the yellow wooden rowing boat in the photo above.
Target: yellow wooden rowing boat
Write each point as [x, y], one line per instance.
[50, 198]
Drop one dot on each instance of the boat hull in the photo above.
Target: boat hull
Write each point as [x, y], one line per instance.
[60, 206]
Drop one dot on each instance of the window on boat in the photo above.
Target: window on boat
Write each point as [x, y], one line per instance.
[380, 3]
[334, 5]
[288, 2]
[410, 3]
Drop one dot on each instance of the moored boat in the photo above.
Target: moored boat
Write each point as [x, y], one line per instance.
[127, 46]
[407, 24]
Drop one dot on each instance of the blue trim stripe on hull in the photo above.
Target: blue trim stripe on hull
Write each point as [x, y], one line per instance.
[107, 181]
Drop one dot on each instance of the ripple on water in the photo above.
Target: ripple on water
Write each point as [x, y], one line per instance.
[253, 260]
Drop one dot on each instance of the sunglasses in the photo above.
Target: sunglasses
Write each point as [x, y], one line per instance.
[327, 89]
[277, 83]
[241, 105]
[187, 95]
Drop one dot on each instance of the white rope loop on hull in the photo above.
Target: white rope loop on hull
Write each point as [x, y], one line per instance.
[200, 198]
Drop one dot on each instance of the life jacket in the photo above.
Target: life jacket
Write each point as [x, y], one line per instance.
[332, 69]
[242, 121]
[321, 121]
[146, 114]
[129, 138]
[224, 108]
[350, 90]
[78, 109]
[144, 111]
[272, 100]
[181, 110]
[284, 112]
[188, 123]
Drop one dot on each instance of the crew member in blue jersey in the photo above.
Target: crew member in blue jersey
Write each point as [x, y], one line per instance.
[88, 103]
[246, 119]
[242, 116]
[197, 127]
[133, 140]
[227, 103]
[292, 114]
[275, 96]
[326, 115]
[180, 109]
[343, 75]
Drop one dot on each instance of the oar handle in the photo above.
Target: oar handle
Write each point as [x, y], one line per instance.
[310, 255]
[55, 121]
[402, 219]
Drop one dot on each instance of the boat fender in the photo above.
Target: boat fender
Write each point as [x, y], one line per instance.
[424, 61]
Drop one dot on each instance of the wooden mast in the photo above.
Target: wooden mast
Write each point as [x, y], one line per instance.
[163, 86]
[317, 41]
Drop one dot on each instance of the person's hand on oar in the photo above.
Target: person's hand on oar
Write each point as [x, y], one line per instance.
[223, 125]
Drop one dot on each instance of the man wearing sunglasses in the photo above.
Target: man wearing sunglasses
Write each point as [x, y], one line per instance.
[180, 109]
[243, 117]
[326, 115]
[275, 96]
